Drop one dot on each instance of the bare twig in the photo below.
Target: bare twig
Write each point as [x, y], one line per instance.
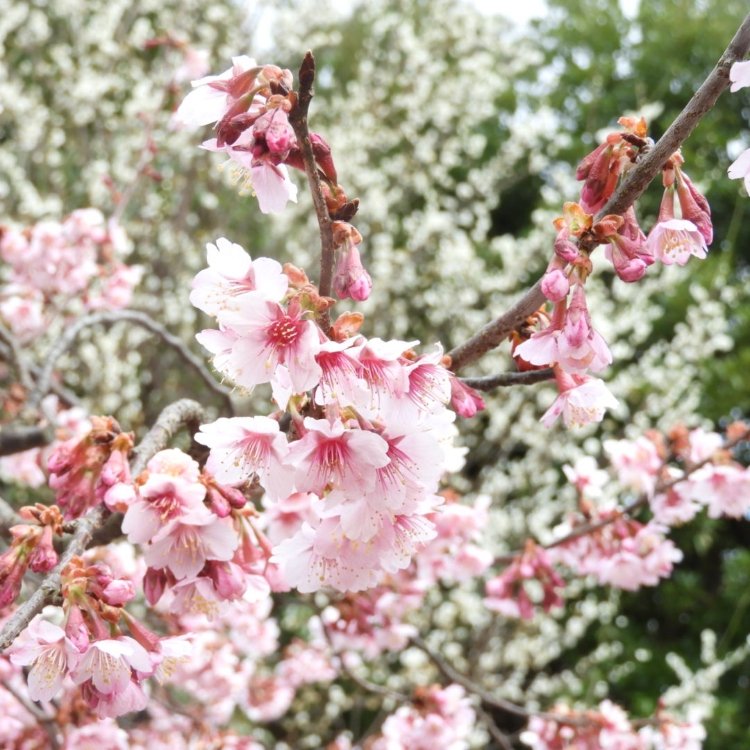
[489, 700]
[17, 438]
[365, 684]
[298, 121]
[19, 361]
[109, 318]
[183, 412]
[505, 379]
[495, 332]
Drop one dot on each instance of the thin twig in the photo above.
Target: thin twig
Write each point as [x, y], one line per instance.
[500, 737]
[109, 318]
[365, 684]
[19, 361]
[501, 704]
[170, 420]
[505, 379]
[298, 121]
[495, 332]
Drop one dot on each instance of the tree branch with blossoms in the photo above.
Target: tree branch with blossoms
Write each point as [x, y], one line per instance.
[172, 418]
[340, 485]
[645, 170]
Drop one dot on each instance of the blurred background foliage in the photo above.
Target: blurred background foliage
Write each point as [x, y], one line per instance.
[460, 133]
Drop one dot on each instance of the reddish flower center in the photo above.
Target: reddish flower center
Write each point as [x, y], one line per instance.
[283, 332]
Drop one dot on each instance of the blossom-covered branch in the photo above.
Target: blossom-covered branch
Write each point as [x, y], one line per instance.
[168, 423]
[644, 171]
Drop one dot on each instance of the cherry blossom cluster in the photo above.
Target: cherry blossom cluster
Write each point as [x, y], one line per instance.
[31, 548]
[610, 727]
[198, 539]
[674, 475]
[371, 432]
[52, 264]
[86, 471]
[568, 341]
[90, 650]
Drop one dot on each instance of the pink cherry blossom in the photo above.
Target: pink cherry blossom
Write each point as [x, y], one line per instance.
[51, 655]
[723, 488]
[569, 341]
[161, 500]
[244, 447]
[636, 462]
[272, 186]
[269, 336]
[213, 95]
[109, 664]
[507, 594]
[442, 718]
[184, 547]
[739, 169]
[230, 274]
[582, 402]
[675, 240]
[330, 453]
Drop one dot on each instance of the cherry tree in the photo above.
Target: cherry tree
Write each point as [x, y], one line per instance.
[146, 583]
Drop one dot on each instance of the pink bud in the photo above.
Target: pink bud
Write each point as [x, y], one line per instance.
[227, 579]
[351, 279]
[118, 592]
[43, 558]
[75, 628]
[466, 402]
[154, 584]
[555, 285]
[564, 248]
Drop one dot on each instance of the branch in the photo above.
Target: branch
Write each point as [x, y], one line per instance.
[298, 121]
[19, 362]
[183, 412]
[22, 438]
[504, 379]
[628, 510]
[495, 332]
[501, 704]
[365, 684]
[110, 318]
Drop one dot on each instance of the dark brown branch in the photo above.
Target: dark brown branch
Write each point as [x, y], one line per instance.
[110, 318]
[184, 412]
[298, 121]
[495, 332]
[17, 438]
[505, 379]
